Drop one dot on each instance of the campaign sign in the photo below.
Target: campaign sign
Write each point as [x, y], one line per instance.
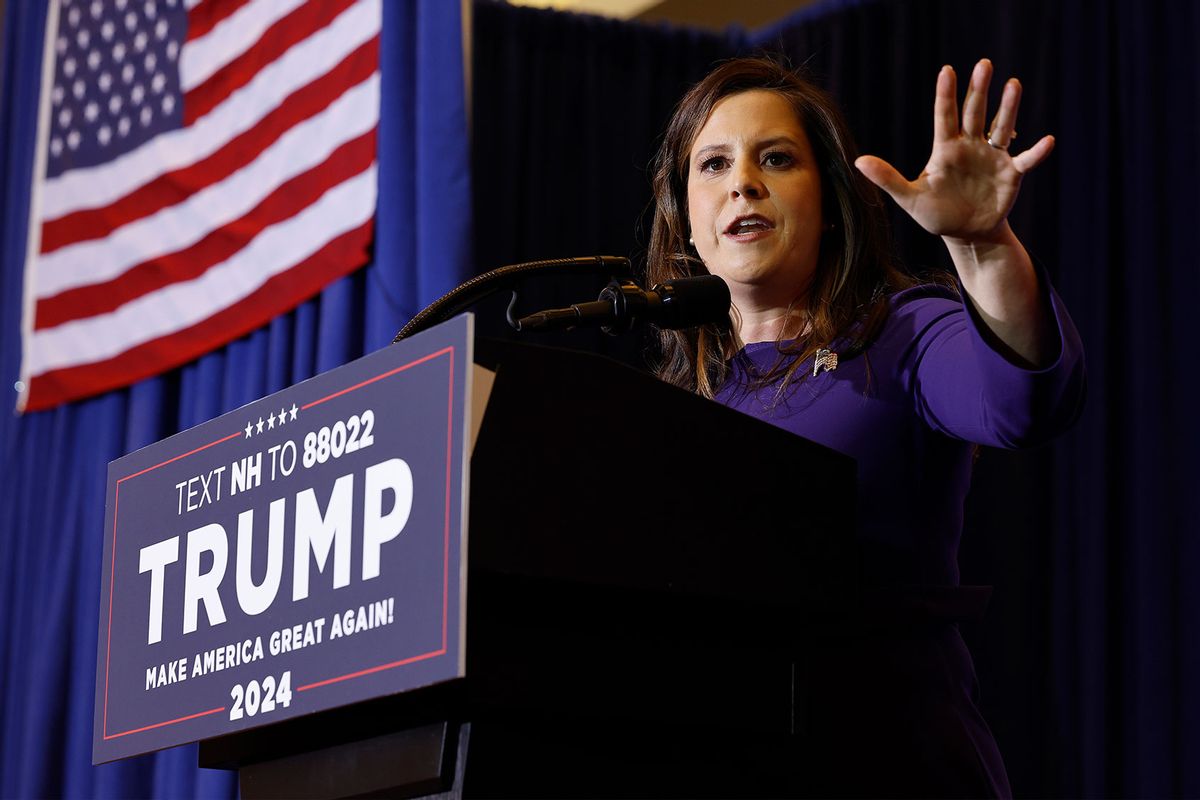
[303, 552]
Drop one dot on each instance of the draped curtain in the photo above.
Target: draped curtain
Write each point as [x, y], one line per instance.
[54, 462]
[568, 109]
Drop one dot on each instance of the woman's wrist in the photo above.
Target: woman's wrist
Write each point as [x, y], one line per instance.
[1001, 284]
[999, 246]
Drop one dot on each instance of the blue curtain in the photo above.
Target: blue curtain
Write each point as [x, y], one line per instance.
[53, 464]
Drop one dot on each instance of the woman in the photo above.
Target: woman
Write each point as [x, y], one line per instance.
[756, 182]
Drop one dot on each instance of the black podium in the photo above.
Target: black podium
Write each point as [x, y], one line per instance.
[646, 571]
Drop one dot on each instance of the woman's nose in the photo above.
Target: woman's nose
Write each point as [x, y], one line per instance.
[747, 183]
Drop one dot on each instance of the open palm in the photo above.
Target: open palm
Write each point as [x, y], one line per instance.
[971, 181]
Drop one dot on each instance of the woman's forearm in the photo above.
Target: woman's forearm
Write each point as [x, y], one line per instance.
[1002, 285]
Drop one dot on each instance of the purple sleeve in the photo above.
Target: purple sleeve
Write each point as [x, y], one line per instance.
[961, 386]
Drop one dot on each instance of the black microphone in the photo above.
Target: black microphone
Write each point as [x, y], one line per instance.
[681, 303]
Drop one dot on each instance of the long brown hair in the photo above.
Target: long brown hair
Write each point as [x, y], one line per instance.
[855, 271]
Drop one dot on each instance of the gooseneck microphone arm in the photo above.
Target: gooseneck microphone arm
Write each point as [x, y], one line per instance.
[467, 294]
[675, 304]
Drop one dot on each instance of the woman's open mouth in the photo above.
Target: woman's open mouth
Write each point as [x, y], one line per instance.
[749, 228]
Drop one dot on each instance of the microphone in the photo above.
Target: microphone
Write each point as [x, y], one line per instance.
[680, 303]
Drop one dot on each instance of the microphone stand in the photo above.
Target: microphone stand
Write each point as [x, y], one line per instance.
[617, 308]
[467, 294]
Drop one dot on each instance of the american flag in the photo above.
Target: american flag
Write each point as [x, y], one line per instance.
[204, 165]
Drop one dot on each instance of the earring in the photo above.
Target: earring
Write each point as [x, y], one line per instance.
[692, 241]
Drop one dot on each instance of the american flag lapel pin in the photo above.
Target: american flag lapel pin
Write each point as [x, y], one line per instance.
[825, 358]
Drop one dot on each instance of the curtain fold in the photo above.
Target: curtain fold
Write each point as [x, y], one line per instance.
[568, 109]
[1125, 599]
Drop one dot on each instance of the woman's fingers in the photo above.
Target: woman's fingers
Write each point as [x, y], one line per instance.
[945, 106]
[885, 176]
[975, 104]
[1004, 125]
[1035, 155]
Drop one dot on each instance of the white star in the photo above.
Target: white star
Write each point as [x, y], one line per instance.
[293, 410]
[56, 146]
[57, 94]
[83, 37]
[94, 59]
[168, 103]
[158, 82]
[69, 67]
[104, 81]
[73, 139]
[151, 61]
[282, 416]
[104, 134]
[271, 421]
[123, 125]
[91, 111]
[249, 428]
[126, 71]
[137, 93]
[172, 49]
[114, 104]
[78, 88]
[118, 53]
[131, 22]
[64, 117]
[146, 115]
[259, 426]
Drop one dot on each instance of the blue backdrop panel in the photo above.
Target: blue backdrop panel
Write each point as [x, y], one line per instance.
[53, 462]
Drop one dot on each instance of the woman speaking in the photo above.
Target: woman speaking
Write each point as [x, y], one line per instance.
[757, 181]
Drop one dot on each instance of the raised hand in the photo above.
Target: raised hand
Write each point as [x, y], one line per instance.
[971, 181]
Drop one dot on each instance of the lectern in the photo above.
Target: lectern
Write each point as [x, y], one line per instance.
[645, 572]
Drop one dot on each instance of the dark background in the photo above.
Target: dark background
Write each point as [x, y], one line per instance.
[1087, 655]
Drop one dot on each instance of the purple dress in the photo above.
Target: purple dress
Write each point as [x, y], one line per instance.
[909, 411]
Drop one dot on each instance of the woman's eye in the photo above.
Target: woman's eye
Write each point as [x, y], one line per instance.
[777, 159]
[713, 164]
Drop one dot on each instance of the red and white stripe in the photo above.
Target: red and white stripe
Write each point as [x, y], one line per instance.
[264, 196]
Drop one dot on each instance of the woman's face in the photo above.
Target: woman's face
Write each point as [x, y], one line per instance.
[754, 199]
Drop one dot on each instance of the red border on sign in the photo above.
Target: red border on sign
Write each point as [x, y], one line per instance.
[339, 678]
